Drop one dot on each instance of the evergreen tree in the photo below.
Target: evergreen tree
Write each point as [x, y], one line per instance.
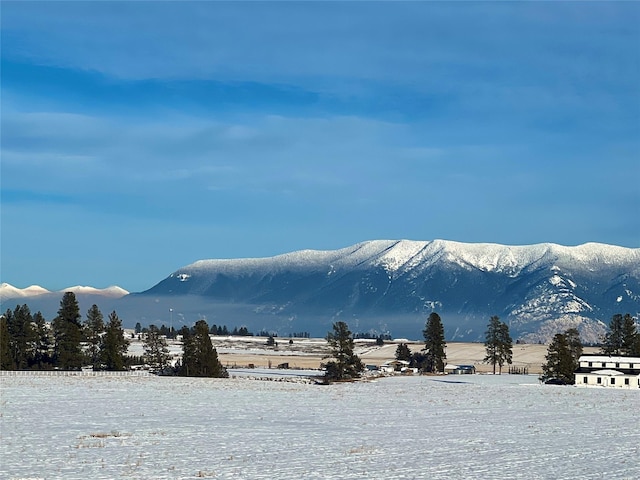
[434, 344]
[491, 342]
[562, 357]
[93, 331]
[419, 360]
[209, 365]
[43, 343]
[67, 334]
[575, 346]
[138, 328]
[403, 352]
[156, 352]
[21, 337]
[347, 364]
[613, 343]
[630, 337]
[505, 347]
[199, 358]
[6, 359]
[188, 361]
[113, 348]
[635, 346]
[498, 344]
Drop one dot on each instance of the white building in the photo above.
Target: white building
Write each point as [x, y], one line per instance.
[395, 366]
[459, 369]
[608, 371]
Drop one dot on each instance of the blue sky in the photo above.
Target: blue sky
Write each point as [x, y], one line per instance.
[139, 137]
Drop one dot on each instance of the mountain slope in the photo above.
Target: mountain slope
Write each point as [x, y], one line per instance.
[394, 284]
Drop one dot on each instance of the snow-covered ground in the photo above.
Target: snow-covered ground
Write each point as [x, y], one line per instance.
[472, 427]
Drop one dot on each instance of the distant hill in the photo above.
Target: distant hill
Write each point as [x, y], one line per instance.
[392, 285]
[8, 292]
[48, 302]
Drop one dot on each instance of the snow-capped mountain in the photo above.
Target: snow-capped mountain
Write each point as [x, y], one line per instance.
[8, 291]
[48, 302]
[394, 284]
[386, 286]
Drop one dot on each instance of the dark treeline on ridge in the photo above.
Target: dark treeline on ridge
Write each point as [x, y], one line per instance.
[219, 330]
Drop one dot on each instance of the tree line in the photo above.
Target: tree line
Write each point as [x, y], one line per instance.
[27, 342]
[219, 330]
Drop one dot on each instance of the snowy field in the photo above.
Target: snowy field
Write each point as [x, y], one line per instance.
[462, 427]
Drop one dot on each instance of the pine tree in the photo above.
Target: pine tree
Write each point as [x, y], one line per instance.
[491, 342]
[347, 364]
[114, 346]
[43, 343]
[613, 343]
[93, 331]
[630, 337]
[403, 352]
[562, 357]
[67, 333]
[188, 364]
[22, 337]
[498, 344]
[199, 358]
[434, 344]
[635, 347]
[156, 352]
[6, 359]
[505, 346]
[575, 346]
[209, 365]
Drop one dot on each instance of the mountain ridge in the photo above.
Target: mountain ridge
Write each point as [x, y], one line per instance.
[530, 285]
[546, 248]
[382, 286]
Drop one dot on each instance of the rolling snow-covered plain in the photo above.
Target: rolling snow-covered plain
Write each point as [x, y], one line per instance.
[473, 427]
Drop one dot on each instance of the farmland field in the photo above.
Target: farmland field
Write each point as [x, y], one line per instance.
[474, 427]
